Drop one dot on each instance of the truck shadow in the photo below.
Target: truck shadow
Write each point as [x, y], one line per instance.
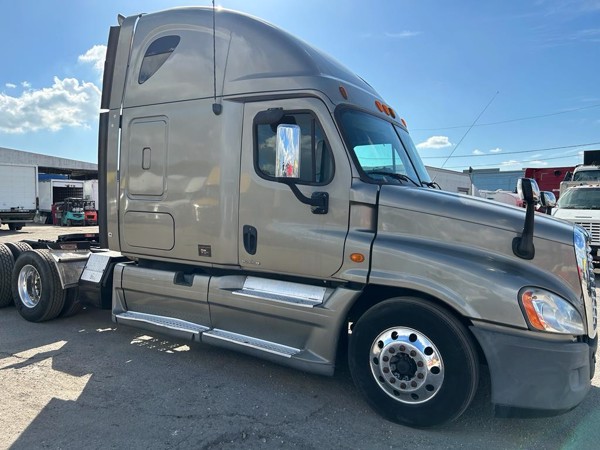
[84, 382]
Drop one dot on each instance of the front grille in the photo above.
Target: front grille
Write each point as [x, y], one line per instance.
[593, 228]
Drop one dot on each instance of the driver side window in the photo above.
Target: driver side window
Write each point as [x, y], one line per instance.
[316, 160]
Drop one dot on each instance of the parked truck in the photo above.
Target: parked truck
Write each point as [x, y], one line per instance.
[18, 195]
[57, 190]
[549, 178]
[274, 204]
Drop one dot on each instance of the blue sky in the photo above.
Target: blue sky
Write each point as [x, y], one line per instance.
[529, 69]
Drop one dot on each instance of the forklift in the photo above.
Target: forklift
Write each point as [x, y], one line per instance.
[72, 212]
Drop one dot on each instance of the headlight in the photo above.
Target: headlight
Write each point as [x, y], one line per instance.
[549, 312]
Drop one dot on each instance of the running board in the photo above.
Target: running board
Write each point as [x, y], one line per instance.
[168, 325]
[222, 338]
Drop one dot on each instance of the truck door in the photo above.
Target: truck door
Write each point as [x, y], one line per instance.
[278, 233]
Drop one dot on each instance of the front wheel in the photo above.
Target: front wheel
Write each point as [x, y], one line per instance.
[414, 362]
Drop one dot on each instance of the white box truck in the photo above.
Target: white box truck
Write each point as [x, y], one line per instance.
[264, 198]
[57, 190]
[18, 194]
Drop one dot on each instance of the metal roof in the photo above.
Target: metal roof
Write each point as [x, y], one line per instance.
[50, 164]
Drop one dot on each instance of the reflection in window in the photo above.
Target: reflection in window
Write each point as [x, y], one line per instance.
[156, 55]
[316, 162]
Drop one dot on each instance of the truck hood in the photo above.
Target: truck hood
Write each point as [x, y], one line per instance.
[577, 215]
[461, 218]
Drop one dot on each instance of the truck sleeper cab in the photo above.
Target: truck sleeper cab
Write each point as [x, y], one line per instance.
[288, 211]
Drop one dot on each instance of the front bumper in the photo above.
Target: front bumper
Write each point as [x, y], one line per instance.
[535, 376]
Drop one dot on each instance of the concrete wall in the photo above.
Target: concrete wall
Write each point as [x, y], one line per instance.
[494, 179]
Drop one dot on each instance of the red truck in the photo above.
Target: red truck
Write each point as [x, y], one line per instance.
[548, 178]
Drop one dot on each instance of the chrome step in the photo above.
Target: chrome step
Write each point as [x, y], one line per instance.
[193, 330]
[282, 291]
[250, 342]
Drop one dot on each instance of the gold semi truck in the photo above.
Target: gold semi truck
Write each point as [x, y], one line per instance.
[257, 195]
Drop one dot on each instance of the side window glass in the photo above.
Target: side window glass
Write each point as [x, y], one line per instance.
[316, 160]
[156, 55]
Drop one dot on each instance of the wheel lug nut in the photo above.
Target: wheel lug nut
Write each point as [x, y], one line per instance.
[413, 383]
[420, 376]
[392, 380]
[413, 353]
[386, 359]
[402, 385]
[402, 348]
[420, 364]
[392, 350]
[386, 370]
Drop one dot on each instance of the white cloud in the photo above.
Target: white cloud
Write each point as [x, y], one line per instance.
[477, 152]
[10, 85]
[94, 56]
[496, 150]
[537, 162]
[26, 84]
[512, 162]
[435, 142]
[67, 103]
[402, 34]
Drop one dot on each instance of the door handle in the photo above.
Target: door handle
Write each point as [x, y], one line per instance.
[250, 239]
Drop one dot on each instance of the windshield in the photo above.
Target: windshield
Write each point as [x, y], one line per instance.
[588, 198]
[383, 151]
[587, 175]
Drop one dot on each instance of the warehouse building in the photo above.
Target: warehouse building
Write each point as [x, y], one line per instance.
[77, 170]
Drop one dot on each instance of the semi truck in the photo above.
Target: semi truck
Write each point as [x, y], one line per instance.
[18, 195]
[257, 195]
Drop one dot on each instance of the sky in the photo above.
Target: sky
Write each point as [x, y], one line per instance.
[484, 84]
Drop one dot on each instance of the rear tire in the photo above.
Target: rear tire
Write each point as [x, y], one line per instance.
[6, 267]
[414, 362]
[16, 248]
[36, 286]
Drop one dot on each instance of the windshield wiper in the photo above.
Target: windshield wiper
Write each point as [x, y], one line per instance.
[394, 175]
[431, 184]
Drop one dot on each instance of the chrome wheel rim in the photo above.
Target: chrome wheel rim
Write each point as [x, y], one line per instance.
[30, 286]
[407, 365]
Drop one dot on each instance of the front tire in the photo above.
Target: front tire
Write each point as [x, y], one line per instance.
[414, 362]
[37, 291]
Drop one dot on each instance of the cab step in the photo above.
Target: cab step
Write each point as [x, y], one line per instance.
[221, 337]
[169, 325]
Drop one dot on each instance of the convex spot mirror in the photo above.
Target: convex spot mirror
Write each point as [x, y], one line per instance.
[528, 190]
[287, 159]
[548, 199]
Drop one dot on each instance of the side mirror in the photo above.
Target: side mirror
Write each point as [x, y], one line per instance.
[287, 158]
[548, 199]
[287, 167]
[528, 190]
